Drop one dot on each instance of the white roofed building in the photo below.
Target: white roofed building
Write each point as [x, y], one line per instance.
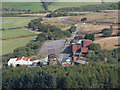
[24, 61]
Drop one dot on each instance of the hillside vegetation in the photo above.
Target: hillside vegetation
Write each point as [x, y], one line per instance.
[51, 6]
[57, 5]
[33, 6]
[88, 76]
[38, 6]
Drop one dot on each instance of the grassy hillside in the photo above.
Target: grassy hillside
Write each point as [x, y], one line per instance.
[38, 6]
[57, 5]
[33, 6]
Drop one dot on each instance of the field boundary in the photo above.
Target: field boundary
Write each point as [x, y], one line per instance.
[19, 37]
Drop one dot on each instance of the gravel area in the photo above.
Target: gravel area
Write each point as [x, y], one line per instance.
[57, 45]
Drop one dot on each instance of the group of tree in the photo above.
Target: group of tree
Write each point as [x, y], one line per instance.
[97, 54]
[89, 36]
[10, 12]
[97, 7]
[56, 14]
[60, 14]
[92, 75]
[52, 32]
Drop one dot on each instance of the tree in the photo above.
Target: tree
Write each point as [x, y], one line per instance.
[90, 37]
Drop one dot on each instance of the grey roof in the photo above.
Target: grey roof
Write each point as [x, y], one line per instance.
[80, 62]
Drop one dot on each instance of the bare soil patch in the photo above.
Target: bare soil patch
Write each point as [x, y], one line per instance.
[19, 37]
[100, 17]
[56, 22]
[96, 29]
[35, 15]
[105, 42]
[108, 43]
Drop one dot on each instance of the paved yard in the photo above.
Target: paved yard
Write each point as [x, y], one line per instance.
[57, 45]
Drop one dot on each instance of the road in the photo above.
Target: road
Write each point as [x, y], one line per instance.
[67, 50]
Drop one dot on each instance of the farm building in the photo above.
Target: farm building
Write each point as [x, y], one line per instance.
[24, 61]
[79, 48]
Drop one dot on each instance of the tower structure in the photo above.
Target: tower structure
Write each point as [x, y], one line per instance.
[51, 56]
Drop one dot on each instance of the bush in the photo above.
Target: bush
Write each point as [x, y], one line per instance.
[78, 37]
[41, 37]
[106, 32]
[118, 34]
[72, 29]
[90, 37]
[83, 19]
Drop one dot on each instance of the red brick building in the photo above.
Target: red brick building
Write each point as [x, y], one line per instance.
[80, 47]
[51, 56]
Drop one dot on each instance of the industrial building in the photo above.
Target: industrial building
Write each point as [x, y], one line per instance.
[79, 48]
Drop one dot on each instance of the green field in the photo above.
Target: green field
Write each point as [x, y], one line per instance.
[9, 45]
[15, 33]
[38, 6]
[12, 22]
[33, 6]
[13, 12]
[57, 5]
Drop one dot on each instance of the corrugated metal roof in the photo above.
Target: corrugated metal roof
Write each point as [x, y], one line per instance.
[80, 62]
